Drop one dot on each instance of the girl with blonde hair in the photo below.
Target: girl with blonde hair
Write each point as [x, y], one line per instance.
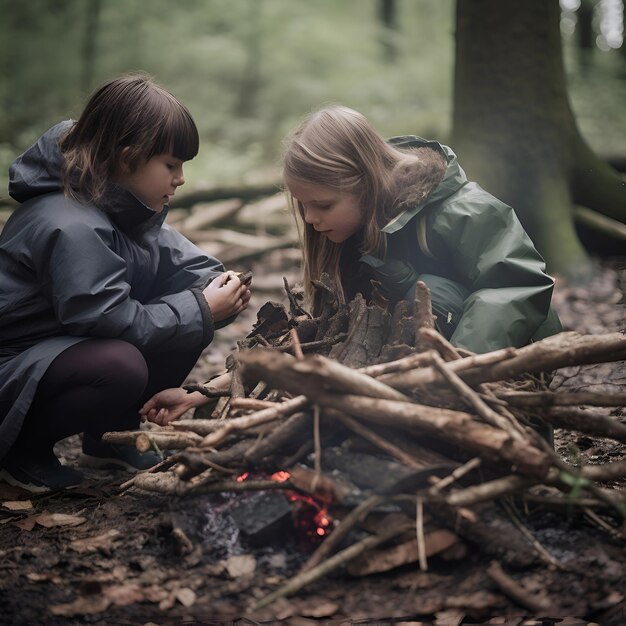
[399, 211]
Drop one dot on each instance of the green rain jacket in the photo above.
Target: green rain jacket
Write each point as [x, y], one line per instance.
[488, 282]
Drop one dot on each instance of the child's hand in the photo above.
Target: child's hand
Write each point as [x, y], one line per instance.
[226, 296]
[168, 405]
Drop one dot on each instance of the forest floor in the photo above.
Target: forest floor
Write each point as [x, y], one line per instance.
[99, 554]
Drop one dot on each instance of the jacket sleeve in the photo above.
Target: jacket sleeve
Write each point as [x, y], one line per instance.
[182, 264]
[87, 283]
[510, 292]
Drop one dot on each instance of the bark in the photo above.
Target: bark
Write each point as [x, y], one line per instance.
[514, 129]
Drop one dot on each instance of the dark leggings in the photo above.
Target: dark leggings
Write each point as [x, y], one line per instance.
[96, 386]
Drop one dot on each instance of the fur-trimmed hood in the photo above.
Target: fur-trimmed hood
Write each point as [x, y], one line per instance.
[435, 176]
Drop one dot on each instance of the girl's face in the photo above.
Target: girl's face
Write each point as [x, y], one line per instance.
[335, 214]
[154, 181]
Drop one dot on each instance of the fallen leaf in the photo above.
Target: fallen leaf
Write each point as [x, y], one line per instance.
[319, 609]
[449, 617]
[123, 595]
[385, 559]
[185, 596]
[93, 544]
[241, 565]
[37, 577]
[50, 520]
[18, 505]
[87, 605]
[28, 523]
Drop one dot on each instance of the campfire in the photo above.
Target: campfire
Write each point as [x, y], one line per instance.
[384, 445]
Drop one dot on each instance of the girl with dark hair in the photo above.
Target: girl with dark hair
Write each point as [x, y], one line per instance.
[101, 303]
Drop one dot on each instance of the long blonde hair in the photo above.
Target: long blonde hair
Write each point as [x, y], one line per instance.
[337, 147]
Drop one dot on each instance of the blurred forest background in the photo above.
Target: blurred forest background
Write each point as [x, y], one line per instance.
[249, 70]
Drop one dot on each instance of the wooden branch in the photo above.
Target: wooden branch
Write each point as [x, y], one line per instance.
[242, 423]
[562, 350]
[251, 404]
[514, 590]
[358, 428]
[245, 192]
[472, 398]
[295, 428]
[341, 558]
[584, 422]
[313, 372]
[454, 426]
[164, 439]
[545, 399]
[341, 531]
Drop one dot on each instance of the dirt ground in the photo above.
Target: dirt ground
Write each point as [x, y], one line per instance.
[101, 554]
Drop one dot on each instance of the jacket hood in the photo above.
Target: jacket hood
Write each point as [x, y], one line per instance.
[38, 169]
[453, 179]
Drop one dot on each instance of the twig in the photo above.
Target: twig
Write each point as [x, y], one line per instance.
[342, 530]
[489, 490]
[488, 414]
[459, 472]
[419, 529]
[341, 558]
[317, 446]
[377, 440]
[514, 590]
[548, 558]
[295, 342]
[250, 404]
[241, 423]
[544, 399]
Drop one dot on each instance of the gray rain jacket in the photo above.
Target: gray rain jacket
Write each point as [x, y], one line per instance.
[72, 271]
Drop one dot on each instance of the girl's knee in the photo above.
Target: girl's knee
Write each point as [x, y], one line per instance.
[123, 363]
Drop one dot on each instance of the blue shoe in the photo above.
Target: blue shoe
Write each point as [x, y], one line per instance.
[102, 455]
[38, 475]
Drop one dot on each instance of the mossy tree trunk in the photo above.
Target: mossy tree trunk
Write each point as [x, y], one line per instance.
[514, 129]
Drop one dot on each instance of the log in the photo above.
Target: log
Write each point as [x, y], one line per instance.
[244, 192]
[454, 426]
[562, 350]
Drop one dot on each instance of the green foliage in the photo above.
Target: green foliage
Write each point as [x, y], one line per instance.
[248, 70]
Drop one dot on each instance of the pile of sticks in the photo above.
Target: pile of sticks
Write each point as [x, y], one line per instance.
[460, 426]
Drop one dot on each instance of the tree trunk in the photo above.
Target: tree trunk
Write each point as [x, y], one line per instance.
[387, 17]
[92, 19]
[514, 129]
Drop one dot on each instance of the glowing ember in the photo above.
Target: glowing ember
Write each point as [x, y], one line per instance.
[310, 513]
[280, 477]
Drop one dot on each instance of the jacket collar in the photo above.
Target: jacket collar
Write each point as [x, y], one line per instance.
[454, 178]
[38, 171]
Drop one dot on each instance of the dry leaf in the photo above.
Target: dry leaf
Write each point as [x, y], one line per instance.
[319, 609]
[385, 559]
[87, 605]
[123, 595]
[18, 505]
[93, 544]
[38, 577]
[185, 596]
[50, 520]
[241, 565]
[28, 523]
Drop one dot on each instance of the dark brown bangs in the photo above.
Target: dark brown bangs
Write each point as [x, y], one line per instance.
[175, 132]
